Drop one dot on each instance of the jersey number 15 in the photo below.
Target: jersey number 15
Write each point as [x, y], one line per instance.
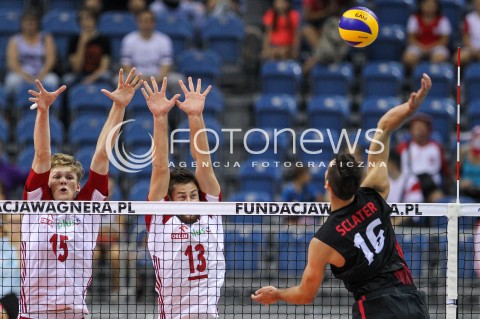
[377, 241]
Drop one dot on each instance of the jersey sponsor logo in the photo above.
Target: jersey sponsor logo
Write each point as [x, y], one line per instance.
[282, 209]
[183, 234]
[356, 219]
[47, 219]
[201, 231]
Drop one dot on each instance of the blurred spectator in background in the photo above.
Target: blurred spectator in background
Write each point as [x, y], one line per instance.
[423, 157]
[222, 7]
[9, 272]
[194, 11]
[315, 13]
[150, 51]
[470, 175]
[471, 35]
[30, 55]
[428, 34]
[329, 47]
[11, 176]
[95, 6]
[300, 189]
[136, 6]
[282, 24]
[88, 52]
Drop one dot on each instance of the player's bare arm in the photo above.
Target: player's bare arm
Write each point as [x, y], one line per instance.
[377, 175]
[319, 255]
[41, 132]
[121, 97]
[159, 106]
[193, 106]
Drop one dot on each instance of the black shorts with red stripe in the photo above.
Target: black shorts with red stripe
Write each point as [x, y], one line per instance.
[405, 302]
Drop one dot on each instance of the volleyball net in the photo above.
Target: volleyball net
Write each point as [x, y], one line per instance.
[262, 243]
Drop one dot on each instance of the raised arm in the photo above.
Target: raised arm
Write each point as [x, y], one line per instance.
[120, 97]
[159, 106]
[41, 131]
[377, 175]
[193, 106]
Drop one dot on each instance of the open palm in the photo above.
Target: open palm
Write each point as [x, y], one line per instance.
[125, 88]
[194, 99]
[156, 100]
[43, 98]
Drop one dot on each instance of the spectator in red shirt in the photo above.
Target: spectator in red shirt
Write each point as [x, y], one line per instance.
[471, 35]
[428, 34]
[281, 39]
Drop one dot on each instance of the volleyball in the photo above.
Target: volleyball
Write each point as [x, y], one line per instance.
[358, 26]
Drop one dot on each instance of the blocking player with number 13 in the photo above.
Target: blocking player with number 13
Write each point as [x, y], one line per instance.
[358, 239]
[187, 250]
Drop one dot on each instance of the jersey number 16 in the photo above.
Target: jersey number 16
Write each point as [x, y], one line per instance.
[377, 241]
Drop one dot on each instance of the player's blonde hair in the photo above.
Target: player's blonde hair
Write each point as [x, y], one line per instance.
[60, 159]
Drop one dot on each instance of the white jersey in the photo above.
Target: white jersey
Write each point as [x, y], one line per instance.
[57, 253]
[189, 265]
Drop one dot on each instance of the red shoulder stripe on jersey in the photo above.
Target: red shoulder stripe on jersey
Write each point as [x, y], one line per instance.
[403, 275]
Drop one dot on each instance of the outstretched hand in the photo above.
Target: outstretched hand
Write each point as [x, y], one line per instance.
[266, 295]
[43, 98]
[125, 88]
[157, 101]
[417, 98]
[194, 99]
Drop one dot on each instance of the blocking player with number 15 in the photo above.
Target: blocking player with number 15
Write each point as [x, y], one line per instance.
[358, 240]
[57, 250]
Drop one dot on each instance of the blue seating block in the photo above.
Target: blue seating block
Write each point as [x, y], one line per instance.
[393, 11]
[293, 251]
[178, 28]
[442, 75]
[389, 45]
[259, 176]
[372, 109]
[115, 25]
[328, 112]
[382, 79]
[200, 64]
[62, 24]
[334, 79]
[87, 99]
[281, 77]
[442, 112]
[472, 81]
[243, 250]
[275, 111]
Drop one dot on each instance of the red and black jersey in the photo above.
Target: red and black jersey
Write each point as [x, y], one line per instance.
[363, 234]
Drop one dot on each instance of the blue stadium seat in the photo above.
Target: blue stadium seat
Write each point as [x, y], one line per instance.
[318, 177]
[259, 176]
[453, 10]
[382, 79]
[4, 130]
[393, 11]
[3, 101]
[87, 99]
[63, 4]
[372, 109]
[319, 146]
[139, 191]
[200, 64]
[275, 111]
[137, 132]
[389, 45]
[466, 257]
[328, 111]
[293, 251]
[62, 25]
[281, 77]
[214, 103]
[84, 155]
[9, 23]
[415, 251]
[22, 104]
[224, 35]
[243, 251]
[472, 81]
[213, 142]
[178, 28]
[138, 106]
[85, 130]
[473, 112]
[248, 197]
[442, 74]
[17, 5]
[264, 145]
[442, 112]
[115, 25]
[25, 158]
[334, 79]
[25, 126]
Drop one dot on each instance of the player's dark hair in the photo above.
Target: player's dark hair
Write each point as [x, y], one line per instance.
[181, 176]
[344, 176]
[88, 12]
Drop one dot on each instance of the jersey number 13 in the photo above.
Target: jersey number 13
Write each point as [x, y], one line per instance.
[377, 241]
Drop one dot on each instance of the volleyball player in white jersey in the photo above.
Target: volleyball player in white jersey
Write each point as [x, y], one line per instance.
[57, 250]
[187, 250]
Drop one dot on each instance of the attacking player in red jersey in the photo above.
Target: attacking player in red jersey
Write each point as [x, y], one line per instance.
[57, 250]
